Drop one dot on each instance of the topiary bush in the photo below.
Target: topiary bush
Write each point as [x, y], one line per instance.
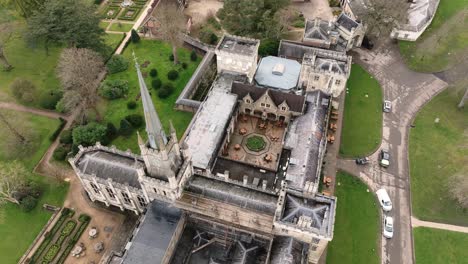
[28, 203]
[117, 63]
[113, 89]
[153, 73]
[165, 91]
[135, 120]
[49, 99]
[66, 137]
[172, 75]
[156, 84]
[23, 90]
[131, 105]
[184, 65]
[126, 128]
[193, 56]
[134, 36]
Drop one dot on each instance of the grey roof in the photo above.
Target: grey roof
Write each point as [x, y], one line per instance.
[288, 250]
[233, 194]
[153, 124]
[318, 29]
[238, 45]
[154, 235]
[295, 50]
[421, 12]
[346, 22]
[103, 164]
[304, 137]
[209, 124]
[286, 80]
[294, 101]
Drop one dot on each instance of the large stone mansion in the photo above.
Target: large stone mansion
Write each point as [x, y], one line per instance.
[242, 185]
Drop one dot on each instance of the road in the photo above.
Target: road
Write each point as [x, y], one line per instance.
[408, 91]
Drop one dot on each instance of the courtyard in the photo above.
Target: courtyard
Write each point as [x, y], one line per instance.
[256, 142]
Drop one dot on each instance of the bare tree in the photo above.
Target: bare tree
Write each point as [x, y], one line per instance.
[458, 188]
[78, 71]
[12, 129]
[6, 32]
[12, 179]
[172, 24]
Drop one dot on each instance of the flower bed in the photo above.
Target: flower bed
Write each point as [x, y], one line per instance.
[51, 253]
[84, 220]
[135, 9]
[115, 9]
[68, 228]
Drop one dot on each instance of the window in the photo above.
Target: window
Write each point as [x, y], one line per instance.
[110, 192]
[316, 78]
[262, 104]
[337, 82]
[95, 188]
[154, 189]
[164, 192]
[126, 197]
[247, 101]
[267, 105]
[283, 108]
[142, 201]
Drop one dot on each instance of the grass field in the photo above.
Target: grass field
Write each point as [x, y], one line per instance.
[436, 152]
[104, 24]
[157, 53]
[434, 246]
[18, 228]
[120, 27]
[357, 224]
[443, 43]
[362, 123]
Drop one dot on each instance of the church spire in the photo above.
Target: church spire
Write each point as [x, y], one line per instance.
[154, 127]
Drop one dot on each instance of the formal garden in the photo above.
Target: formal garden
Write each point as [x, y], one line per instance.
[362, 121]
[357, 229]
[445, 41]
[438, 154]
[59, 241]
[437, 246]
[116, 9]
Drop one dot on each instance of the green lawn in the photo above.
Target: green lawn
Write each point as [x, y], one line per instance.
[18, 228]
[435, 246]
[436, 152]
[444, 41]
[357, 224]
[362, 123]
[157, 53]
[120, 27]
[104, 24]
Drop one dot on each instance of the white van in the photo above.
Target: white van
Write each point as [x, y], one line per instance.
[384, 200]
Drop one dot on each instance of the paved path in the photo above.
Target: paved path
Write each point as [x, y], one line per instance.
[419, 223]
[408, 91]
[41, 112]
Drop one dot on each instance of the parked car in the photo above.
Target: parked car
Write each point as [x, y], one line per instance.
[388, 227]
[384, 158]
[387, 106]
[362, 161]
[384, 200]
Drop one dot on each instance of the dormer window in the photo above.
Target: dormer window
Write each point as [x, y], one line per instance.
[247, 101]
[283, 108]
[110, 192]
[337, 82]
[95, 188]
[267, 105]
[262, 104]
[316, 78]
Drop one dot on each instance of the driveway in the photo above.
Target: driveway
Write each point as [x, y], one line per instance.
[408, 91]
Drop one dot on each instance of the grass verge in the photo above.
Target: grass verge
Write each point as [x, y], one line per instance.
[437, 246]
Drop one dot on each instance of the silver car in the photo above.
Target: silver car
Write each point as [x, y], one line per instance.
[387, 106]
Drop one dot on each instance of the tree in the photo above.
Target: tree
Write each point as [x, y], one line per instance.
[78, 71]
[13, 130]
[6, 31]
[126, 128]
[89, 134]
[12, 179]
[172, 22]
[23, 90]
[134, 36]
[69, 22]
[458, 188]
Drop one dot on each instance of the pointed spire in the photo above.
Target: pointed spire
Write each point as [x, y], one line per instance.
[154, 127]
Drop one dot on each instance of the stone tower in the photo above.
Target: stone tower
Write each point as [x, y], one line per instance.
[160, 153]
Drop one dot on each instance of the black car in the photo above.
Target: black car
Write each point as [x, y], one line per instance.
[362, 161]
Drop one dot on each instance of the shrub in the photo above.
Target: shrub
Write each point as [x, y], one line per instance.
[172, 75]
[57, 131]
[134, 36]
[23, 90]
[135, 120]
[89, 134]
[193, 56]
[113, 89]
[165, 90]
[49, 99]
[117, 63]
[268, 47]
[156, 84]
[131, 105]
[69, 226]
[52, 252]
[184, 65]
[111, 130]
[66, 137]
[171, 57]
[28, 203]
[84, 218]
[208, 36]
[126, 128]
[153, 73]
[60, 153]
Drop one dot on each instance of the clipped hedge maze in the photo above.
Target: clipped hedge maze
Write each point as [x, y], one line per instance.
[61, 239]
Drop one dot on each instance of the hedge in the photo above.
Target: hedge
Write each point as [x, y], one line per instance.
[58, 130]
[52, 252]
[136, 10]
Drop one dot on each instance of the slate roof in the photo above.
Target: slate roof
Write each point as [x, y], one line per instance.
[295, 102]
[154, 234]
[346, 22]
[104, 164]
[287, 250]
